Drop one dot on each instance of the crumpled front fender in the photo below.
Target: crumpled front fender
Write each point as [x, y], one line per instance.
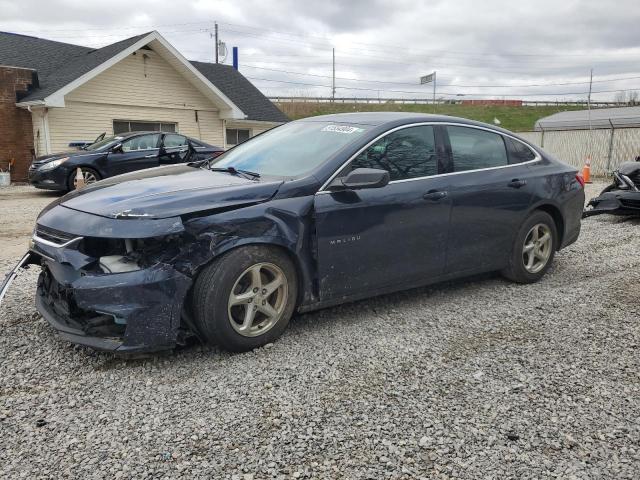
[285, 223]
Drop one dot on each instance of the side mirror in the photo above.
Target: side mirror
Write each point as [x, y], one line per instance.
[117, 148]
[361, 178]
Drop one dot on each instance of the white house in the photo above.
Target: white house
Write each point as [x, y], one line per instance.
[142, 83]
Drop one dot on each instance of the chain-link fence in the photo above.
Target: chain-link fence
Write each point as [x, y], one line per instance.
[607, 147]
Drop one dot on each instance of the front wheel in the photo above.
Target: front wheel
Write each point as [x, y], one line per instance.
[89, 174]
[534, 249]
[245, 299]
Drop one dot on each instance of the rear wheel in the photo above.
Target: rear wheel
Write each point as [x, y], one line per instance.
[245, 299]
[534, 249]
[89, 174]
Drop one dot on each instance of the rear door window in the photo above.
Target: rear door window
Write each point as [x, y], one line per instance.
[473, 149]
[406, 153]
[172, 140]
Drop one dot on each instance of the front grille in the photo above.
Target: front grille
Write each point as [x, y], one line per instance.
[630, 203]
[53, 235]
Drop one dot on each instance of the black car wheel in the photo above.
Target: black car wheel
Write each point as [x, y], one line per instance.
[245, 299]
[534, 249]
[89, 175]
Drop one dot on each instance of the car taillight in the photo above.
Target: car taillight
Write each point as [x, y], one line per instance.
[580, 179]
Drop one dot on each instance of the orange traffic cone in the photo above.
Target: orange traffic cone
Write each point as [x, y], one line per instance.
[586, 170]
[79, 180]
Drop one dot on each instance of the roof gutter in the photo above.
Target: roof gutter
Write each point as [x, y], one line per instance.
[32, 103]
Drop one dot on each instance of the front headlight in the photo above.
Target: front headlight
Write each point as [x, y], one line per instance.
[53, 164]
[128, 255]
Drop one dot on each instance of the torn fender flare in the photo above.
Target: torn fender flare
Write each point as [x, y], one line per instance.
[10, 277]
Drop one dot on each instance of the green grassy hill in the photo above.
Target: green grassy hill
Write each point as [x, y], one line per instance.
[517, 119]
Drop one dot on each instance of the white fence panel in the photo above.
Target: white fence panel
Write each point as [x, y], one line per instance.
[608, 148]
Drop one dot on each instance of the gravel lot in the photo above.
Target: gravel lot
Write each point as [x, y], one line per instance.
[470, 379]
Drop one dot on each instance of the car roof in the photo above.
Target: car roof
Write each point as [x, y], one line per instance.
[396, 118]
[145, 132]
[139, 132]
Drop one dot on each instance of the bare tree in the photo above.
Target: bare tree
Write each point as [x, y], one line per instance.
[631, 97]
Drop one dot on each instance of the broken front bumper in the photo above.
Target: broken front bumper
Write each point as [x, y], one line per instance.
[614, 202]
[124, 312]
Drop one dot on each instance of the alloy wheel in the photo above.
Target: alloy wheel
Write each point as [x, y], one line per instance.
[89, 177]
[537, 248]
[258, 299]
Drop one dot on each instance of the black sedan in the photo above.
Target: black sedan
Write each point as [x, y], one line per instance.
[122, 153]
[313, 213]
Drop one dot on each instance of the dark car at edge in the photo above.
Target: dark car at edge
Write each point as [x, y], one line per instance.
[115, 155]
[311, 214]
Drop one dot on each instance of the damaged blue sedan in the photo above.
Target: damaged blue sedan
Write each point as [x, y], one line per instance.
[313, 213]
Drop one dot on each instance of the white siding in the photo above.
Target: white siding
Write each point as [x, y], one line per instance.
[134, 89]
[85, 121]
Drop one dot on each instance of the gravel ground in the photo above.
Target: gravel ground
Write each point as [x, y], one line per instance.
[472, 379]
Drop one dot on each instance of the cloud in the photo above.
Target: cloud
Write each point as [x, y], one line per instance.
[470, 43]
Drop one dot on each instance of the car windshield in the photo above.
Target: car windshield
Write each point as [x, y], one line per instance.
[292, 149]
[105, 142]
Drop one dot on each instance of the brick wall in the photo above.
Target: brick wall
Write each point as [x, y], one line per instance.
[16, 131]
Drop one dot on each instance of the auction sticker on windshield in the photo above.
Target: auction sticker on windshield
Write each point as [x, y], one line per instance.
[342, 129]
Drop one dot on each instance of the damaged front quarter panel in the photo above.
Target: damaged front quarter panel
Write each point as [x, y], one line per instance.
[282, 222]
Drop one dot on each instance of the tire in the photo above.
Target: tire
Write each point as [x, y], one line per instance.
[226, 325]
[521, 269]
[90, 176]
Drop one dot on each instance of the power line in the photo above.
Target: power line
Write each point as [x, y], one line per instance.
[119, 27]
[326, 41]
[394, 47]
[357, 52]
[443, 85]
[442, 93]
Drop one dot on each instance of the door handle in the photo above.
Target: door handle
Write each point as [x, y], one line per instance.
[434, 195]
[150, 156]
[517, 183]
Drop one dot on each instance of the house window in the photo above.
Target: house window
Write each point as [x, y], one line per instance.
[123, 126]
[237, 135]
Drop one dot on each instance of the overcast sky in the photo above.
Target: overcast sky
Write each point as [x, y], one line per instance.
[382, 47]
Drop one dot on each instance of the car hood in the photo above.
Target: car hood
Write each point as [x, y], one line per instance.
[71, 153]
[169, 191]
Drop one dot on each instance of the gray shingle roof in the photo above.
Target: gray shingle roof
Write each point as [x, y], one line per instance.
[241, 92]
[58, 64]
[31, 52]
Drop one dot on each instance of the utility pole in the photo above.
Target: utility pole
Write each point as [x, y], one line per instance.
[333, 78]
[434, 91]
[589, 152]
[216, 37]
[589, 98]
